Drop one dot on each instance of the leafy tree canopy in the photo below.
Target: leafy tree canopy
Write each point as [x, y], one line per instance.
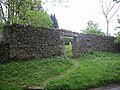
[92, 28]
[25, 12]
[39, 18]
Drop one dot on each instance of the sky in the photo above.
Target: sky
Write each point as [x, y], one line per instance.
[75, 14]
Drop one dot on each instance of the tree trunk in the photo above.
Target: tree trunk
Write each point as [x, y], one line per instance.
[107, 28]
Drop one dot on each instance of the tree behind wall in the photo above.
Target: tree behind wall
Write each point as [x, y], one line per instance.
[55, 22]
[92, 28]
[25, 12]
[38, 18]
[117, 40]
[16, 9]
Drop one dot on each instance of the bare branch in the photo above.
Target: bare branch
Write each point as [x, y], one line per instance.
[106, 6]
[110, 8]
[107, 10]
[114, 12]
[103, 10]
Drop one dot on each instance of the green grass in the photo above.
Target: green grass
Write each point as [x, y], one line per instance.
[68, 50]
[14, 75]
[92, 70]
[58, 73]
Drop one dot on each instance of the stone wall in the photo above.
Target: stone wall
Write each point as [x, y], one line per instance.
[1, 37]
[28, 42]
[4, 52]
[88, 42]
[24, 42]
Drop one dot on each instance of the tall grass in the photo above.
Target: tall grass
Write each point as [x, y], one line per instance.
[14, 75]
[58, 73]
[93, 69]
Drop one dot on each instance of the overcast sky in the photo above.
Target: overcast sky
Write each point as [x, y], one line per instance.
[78, 13]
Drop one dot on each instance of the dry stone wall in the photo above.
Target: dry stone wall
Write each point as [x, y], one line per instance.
[4, 52]
[1, 37]
[27, 42]
[88, 42]
[24, 42]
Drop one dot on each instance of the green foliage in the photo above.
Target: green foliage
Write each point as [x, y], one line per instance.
[27, 12]
[1, 25]
[92, 28]
[59, 73]
[90, 70]
[17, 9]
[117, 40]
[14, 75]
[68, 49]
[38, 18]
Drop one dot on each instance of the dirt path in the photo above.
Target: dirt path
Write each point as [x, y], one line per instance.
[65, 73]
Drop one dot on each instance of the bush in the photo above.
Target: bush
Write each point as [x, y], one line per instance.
[117, 40]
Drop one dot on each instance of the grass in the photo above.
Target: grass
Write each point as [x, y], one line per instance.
[58, 73]
[14, 75]
[68, 50]
[93, 69]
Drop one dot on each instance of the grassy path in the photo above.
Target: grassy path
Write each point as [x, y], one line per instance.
[90, 70]
[75, 64]
[65, 73]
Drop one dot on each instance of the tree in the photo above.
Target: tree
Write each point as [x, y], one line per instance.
[109, 10]
[117, 40]
[1, 25]
[118, 27]
[39, 18]
[2, 12]
[16, 9]
[26, 12]
[116, 1]
[55, 22]
[92, 28]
